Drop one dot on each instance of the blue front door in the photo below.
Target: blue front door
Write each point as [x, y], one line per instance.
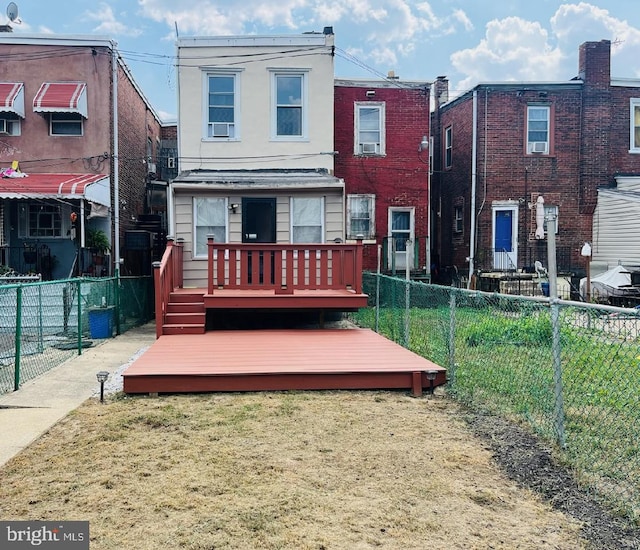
[505, 255]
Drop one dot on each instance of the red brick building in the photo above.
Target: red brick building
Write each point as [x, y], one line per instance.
[85, 140]
[382, 154]
[501, 145]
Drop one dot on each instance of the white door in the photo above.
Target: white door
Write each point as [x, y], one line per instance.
[402, 236]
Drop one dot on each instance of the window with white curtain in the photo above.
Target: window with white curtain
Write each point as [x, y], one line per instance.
[360, 216]
[307, 219]
[210, 218]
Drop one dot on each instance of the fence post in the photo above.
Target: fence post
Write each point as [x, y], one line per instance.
[378, 291]
[557, 373]
[18, 340]
[452, 335]
[407, 293]
[79, 327]
[40, 321]
[116, 295]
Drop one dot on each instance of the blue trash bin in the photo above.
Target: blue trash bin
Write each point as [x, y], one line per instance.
[101, 322]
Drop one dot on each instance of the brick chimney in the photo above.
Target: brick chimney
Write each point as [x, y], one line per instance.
[594, 66]
[441, 90]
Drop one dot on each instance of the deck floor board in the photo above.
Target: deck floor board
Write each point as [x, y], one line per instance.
[254, 360]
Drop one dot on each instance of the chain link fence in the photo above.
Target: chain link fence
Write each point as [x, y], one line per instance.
[569, 370]
[43, 324]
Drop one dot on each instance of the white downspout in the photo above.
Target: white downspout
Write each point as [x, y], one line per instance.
[474, 155]
[116, 181]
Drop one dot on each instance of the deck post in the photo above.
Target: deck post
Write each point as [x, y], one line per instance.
[158, 298]
[178, 271]
[210, 239]
[358, 266]
[416, 384]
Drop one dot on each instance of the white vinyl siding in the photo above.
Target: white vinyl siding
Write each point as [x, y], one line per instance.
[616, 231]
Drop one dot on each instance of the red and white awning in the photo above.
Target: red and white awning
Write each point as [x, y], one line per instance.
[93, 187]
[12, 98]
[61, 97]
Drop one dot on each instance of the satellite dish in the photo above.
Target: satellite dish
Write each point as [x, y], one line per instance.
[12, 11]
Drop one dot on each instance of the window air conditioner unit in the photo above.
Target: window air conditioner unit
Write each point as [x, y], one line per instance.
[171, 162]
[151, 167]
[4, 126]
[220, 129]
[368, 148]
[538, 147]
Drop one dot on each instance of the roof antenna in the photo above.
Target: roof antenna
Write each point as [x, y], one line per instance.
[176, 25]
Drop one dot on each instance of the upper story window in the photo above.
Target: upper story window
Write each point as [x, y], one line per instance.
[307, 220]
[9, 124]
[448, 146]
[361, 216]
[289, 110]
[634, 146]
[222, 108]
[369, 129]
[65, 124]
[538, 124]
[458, 214]
[209, 218]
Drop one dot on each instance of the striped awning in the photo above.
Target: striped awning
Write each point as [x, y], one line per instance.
[12, 98]
[93, 187]
[61, 97]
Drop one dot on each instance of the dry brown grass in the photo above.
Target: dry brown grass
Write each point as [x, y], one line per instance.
[316, 470]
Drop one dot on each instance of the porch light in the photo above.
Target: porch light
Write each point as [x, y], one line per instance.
[431, 376]
[233, 207]
[102, 377]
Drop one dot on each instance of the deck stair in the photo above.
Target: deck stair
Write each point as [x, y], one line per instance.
[185, 313]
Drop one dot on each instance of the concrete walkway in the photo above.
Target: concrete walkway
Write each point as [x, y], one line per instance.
[40, 403]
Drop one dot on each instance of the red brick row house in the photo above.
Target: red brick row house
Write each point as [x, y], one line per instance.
[382, 153]
[501, 145]
[80, 134]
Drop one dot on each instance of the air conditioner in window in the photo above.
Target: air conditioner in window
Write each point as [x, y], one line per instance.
[220, 129]
[538, 147]
[151, 167]
[369, 148]
[4, 126]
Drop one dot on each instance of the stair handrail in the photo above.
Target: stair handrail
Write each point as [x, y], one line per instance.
[167, 276]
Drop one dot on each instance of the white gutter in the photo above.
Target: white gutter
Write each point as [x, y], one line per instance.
[474, 156]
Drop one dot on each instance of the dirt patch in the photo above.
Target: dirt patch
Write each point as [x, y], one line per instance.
[294, 470]
[531, 465]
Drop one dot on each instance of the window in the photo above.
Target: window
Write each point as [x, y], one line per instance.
[457, 219]
[9, 124]
[307, 220]
[635, 125]
[369, 131]
[538, 129]
[360, 216]
[448, 146]
[289, 108]
[221, 104]
[41, 220]
[210, 218]
[65, 124]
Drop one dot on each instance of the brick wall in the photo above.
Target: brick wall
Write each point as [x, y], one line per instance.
[401, 177]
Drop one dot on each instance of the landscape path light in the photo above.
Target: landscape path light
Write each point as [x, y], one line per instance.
[102, 377]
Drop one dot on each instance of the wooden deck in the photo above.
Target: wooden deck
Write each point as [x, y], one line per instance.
[267, 360]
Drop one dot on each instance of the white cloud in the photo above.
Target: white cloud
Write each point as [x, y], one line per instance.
[109, 25]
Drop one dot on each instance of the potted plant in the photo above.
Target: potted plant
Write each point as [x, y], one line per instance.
[98, 242]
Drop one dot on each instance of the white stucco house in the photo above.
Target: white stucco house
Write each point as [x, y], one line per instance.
[255, 142]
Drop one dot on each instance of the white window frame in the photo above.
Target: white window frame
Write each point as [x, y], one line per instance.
[351, 199]
[196, 253]
[303, 74]
[458, 218]
[27, 231]
[537, 147]
[448, 146]
[634, 125]
[292, 206]
[70, 119]
[11, 125]
[362, 147]
[234, 130]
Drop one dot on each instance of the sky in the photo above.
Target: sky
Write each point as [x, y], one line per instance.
[468, 41]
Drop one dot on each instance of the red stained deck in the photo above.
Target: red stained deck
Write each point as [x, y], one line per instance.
[267, 360]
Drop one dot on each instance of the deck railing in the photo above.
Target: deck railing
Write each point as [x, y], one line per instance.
[284, 267]
[168, 275]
